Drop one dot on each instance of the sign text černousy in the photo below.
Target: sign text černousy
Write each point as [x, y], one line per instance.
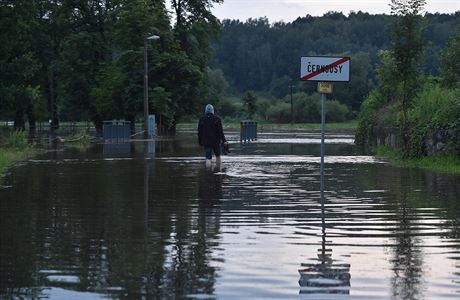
[326, 69]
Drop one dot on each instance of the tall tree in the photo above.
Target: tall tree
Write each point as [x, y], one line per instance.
[52, 27]
[82, 54]
[407, 50]
[133, 22]
[195, 28]
[18, 63]
[249, 101]
[450, 60]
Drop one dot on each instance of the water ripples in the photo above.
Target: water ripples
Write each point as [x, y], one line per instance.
[167, 227]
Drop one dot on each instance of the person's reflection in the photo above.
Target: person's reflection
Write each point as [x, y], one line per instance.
[209, 187]
[196, 261]
[324, 276]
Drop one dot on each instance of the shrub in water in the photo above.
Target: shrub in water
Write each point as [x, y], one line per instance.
[16, 139]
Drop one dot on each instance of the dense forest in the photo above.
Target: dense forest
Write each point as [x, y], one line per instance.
[83, 60]
[65, 60]
[265, 58]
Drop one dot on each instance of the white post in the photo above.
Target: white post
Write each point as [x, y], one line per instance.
[146, 91]
[323, 121]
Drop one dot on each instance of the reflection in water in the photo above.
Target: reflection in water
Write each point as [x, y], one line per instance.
[188, 261]
[208, 229]
[325, 277]
[75, 225]
[209, 187]
[407, 262]
[149, 154]
[186, 235]
[151, 148]
[116, 150]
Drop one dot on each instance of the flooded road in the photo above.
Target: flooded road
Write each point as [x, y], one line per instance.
[142, 221]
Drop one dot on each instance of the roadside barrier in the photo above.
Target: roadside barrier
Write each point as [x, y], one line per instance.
[248, 131]
[116, 131]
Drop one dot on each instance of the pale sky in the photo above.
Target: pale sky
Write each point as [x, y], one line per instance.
[289, 10]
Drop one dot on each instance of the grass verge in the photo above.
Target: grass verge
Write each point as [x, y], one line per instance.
[350, 125]
[14, 148]
[316, 126]
[79, 139]
[440, 163]
[9, 156]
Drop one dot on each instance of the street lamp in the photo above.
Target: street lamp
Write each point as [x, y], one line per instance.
[291, 86]
[146, 82]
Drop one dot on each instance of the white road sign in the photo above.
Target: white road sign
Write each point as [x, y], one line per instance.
[322, 68]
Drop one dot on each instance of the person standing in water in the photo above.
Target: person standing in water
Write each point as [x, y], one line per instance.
[211, 135]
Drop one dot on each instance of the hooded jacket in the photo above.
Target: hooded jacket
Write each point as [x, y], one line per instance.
[210, 132]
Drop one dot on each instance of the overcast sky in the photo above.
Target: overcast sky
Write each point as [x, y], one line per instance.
[289, 10]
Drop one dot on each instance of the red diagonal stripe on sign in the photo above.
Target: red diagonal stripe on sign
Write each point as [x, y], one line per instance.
[328, 67]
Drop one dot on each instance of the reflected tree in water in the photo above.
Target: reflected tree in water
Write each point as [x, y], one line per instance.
[403, 199]
[88, 224]
[407, 280]
[189, 239]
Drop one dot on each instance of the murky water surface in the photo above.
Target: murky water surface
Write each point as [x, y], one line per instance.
[122, 222]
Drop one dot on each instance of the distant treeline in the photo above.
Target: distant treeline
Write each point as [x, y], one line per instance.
[65, 60]
[262, 57]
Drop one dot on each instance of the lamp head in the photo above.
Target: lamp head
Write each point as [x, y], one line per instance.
[153, 37]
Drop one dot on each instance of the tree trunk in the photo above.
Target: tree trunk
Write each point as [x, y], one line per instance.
[32, 121]
[55, 120]
[19, 122]
[98, 123]
[405, 127]
[52, 105]
[132, 122]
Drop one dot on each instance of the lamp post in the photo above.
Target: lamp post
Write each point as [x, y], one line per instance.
[291, 86]
[146, 82]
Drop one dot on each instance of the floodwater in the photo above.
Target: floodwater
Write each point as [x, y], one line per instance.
[137, 221]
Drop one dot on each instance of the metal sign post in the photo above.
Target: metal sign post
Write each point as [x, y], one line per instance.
[323, 121]
[323, 88]
[325, 70]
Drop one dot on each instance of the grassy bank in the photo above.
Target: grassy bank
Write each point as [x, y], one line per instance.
[441, 163]
[348, 126]
[13, 148]
[9, 156]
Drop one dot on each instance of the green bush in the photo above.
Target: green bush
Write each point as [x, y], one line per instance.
[416, 145]
[81, 138]
[336, 112]
[16, 139]
[230, 107]
[307, 108]
[367, 119]
[435, 106]
[263, 104]
[279, 113]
